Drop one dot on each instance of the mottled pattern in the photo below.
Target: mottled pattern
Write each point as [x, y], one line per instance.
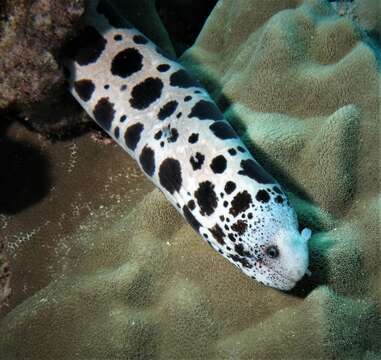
[164, 119]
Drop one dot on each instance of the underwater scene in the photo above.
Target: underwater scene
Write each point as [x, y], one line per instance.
[190, 179]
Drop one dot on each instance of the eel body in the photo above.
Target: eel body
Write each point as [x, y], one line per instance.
[161, 116]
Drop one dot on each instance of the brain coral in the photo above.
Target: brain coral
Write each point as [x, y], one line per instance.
[301, 87]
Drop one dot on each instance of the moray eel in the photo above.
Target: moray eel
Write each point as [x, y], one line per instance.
[153, 108]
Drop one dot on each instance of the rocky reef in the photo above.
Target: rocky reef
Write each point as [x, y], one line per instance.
[5, 276]
[31, 81]
[32, 35]
[104, 267]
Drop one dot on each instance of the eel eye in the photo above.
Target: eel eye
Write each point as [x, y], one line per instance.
[272, 251]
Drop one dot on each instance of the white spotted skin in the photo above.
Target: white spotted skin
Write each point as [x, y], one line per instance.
[258, 234]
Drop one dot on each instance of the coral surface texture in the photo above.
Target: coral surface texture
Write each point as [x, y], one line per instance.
[103, 267]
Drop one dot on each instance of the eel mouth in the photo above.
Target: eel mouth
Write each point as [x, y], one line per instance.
[287, 282]
[287, 278]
